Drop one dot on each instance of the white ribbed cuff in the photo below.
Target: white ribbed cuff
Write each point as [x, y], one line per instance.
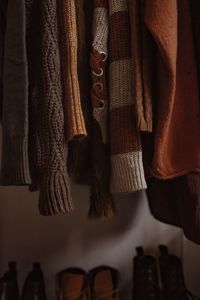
[127, 173]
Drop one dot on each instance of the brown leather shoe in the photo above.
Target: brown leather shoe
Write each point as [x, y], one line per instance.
[173, 284]
[72, 284]
[9, 285]
[34, 286]
[104, 283]
[145, 277]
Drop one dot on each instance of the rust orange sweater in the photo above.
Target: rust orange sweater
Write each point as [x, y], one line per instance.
[177, 138]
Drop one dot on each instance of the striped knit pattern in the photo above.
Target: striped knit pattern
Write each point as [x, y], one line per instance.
[74, 120]
[127, 174]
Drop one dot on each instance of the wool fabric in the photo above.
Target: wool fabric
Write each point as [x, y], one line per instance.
[74, 119]
[127, 174]
[14, 94]
[177, 139]
[48, 151]
[144, 58]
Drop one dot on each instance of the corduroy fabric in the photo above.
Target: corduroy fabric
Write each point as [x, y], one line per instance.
[144, 68]
[14, 95]
[127, 174]
[74, 119]
[177, 139]
[48, 152]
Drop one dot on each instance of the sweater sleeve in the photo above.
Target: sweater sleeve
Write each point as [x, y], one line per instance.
[15, 166]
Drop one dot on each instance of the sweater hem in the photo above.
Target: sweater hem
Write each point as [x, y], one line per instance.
[185, 171]
[127, 173]
[15, 164]
[55, 194]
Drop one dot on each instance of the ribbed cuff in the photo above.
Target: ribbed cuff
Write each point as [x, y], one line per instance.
[127, 173]
[55, 194]
[14, 161]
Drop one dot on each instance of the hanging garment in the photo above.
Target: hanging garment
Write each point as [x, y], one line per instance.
[101, 202]
[177, 139]
[74, 119]
[48, 152]
[14, 94]
[127, 174]
[177, 202]
[144, 57]
[195, 8]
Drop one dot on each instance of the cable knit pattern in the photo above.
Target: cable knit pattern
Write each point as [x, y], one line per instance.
[74, 120]
[47, 141]
[127, 174]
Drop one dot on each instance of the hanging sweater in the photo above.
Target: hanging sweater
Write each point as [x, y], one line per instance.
[177, 139]
[144, 58]
[74, 120]
[127, 174]
[14, 94]
[48, 152]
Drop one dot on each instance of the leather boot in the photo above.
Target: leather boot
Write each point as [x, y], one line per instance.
[104, 283]
[72, 284]
[145, 277]
[9, 285]
[173, 284]
[34, 286]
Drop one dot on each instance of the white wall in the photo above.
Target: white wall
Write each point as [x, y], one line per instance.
[73, 240]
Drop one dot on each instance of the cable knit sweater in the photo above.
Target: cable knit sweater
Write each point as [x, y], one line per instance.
[47, 142]
[14, 94]
[127, 174]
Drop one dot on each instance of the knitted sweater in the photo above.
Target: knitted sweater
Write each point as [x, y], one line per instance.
[14, 94]
[177, 139]
[47, 141]
[127, 174]
[143, 56]
[74, 120]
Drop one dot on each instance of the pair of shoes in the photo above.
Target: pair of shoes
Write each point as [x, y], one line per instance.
[34, 287]
[159, 278]
[100, 283]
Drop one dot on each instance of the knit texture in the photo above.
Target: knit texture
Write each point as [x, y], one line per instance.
[101, 202]
[144, 67]
[14, 98]
[127, 174]
[177, 140]
[48, 152]
[74, 120]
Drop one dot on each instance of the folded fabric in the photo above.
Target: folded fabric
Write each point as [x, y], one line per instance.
[177, 139]
[195, 8]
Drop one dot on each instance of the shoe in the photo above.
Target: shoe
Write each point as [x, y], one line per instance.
[34, 286]
[104, 283]
[9, 284]
[173, 284]
[72, 284]
[146, 280]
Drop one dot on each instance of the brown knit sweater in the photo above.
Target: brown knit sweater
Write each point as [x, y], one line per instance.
[74, 120]
[144, 66]
[177, 139]
[47, 141]
[127, 174]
